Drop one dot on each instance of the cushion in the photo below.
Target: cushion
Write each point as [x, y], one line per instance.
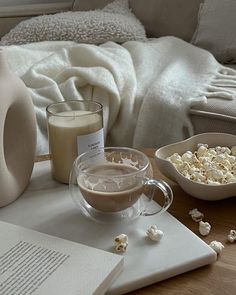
[160, 17]
[115, 22]
[216, 29]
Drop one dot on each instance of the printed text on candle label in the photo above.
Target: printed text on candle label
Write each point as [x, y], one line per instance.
[90, 141]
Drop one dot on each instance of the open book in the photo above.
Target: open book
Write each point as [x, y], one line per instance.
[36, 263]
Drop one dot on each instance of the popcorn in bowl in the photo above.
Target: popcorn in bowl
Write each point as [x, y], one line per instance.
[207, 165]
[202, 165]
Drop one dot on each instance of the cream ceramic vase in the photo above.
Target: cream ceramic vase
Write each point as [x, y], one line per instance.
[17, 134]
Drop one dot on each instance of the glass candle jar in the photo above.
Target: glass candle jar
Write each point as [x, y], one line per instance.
[74, 127]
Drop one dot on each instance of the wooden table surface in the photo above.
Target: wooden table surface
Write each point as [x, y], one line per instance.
[218, 278]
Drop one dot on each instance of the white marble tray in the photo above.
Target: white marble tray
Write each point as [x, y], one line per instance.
[46, 206]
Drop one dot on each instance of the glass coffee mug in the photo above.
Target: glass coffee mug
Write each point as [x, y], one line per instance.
[116, 184]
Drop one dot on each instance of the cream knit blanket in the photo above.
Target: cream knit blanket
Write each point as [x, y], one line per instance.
[146, 88]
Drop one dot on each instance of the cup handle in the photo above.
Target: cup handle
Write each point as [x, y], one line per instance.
[167, 194]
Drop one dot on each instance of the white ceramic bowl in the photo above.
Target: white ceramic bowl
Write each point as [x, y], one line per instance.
[198, 190]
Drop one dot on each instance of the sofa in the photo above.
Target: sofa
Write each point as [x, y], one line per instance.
[179, 18]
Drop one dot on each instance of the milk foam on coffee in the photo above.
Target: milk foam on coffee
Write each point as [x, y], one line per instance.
[111, 187]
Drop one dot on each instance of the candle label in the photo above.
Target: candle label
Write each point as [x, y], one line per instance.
[90, 141]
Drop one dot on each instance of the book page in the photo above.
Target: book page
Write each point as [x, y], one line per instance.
[25, 266]
[36, 263]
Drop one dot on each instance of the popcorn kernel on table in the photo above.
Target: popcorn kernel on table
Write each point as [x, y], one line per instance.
[204, 228]
[154, 233]
[217, 246]
[196, 215]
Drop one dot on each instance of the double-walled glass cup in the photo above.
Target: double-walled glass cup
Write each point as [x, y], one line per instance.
[116, 184]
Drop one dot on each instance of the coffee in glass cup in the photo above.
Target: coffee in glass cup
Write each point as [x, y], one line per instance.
[116, 183]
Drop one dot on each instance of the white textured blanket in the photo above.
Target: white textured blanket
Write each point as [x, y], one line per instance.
[146, 88]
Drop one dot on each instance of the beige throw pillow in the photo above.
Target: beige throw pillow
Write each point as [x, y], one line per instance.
[216, 29]
[115, 22]
[160, 17]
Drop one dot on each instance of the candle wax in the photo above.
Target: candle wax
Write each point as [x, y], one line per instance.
[70, 134]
